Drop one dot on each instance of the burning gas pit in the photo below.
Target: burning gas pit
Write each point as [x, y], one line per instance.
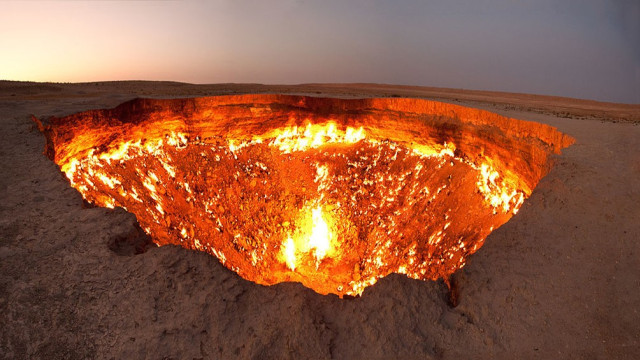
[332, 193]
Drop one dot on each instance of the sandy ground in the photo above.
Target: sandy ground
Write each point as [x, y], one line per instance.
[560, 280]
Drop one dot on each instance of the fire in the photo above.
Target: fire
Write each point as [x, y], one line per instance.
[289, 253]
[314, 238]
[296, 138]
[499, 194]
[334, 202]
[320, 238]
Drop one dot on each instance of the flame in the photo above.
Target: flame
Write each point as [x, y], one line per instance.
[327, 204]
[289, 253]
[291, 139]
[497, 189]
[311, 239]
[320, 238]
[314, 238]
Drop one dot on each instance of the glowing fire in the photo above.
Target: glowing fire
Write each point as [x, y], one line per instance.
[318, 240]
[330, 205]
[289, 253]
[313, 136]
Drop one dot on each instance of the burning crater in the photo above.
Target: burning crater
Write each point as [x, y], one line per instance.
[332, 193]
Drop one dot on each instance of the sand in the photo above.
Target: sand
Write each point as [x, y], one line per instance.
[560, 280]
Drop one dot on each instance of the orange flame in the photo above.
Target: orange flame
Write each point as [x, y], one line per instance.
[320, 238]
[323, 203]
[296, 138]
[314, 237]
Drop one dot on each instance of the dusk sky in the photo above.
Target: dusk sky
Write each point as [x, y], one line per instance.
[586, 49]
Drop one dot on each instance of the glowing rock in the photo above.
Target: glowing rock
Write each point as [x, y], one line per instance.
[333, 193]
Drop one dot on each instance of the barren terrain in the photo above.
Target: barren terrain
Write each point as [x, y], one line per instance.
[560, 280]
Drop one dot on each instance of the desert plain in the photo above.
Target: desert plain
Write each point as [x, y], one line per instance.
[560, 280]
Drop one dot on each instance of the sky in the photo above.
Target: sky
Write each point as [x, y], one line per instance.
[586, 49]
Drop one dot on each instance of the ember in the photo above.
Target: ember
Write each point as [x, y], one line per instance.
[331, 193]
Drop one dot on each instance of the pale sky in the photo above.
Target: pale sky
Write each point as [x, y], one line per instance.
[585, 48]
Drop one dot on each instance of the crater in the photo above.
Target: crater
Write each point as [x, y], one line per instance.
[332, 193]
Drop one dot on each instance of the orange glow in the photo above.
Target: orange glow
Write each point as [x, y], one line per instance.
[314, 237]
[333, 202]
[320, 238]
[313, 136]
[289, 253]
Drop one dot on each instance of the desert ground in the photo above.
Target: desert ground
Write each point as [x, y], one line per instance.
[560, 280]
